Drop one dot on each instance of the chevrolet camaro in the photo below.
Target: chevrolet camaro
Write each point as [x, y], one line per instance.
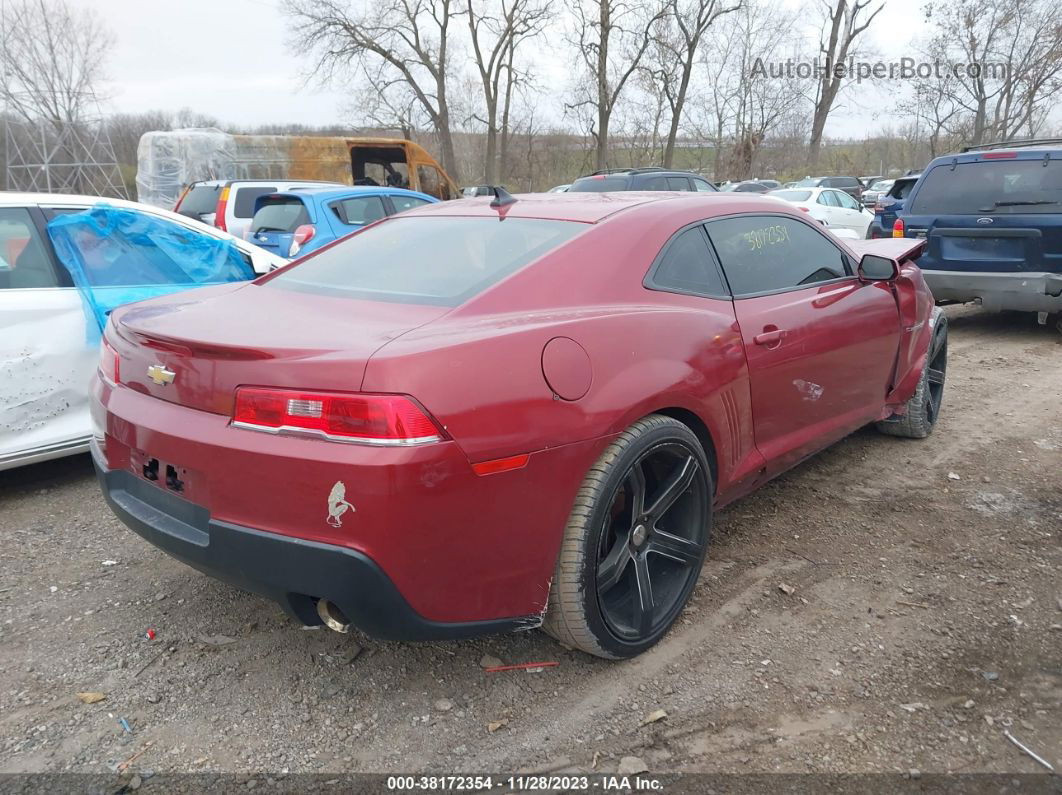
[493, 415]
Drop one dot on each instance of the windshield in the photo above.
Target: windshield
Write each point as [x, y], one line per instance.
[427, 260]
[279, 214]
[791, 195]
[808, 182]
[993, 186]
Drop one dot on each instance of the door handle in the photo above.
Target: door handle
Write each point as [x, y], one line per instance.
[770, 338]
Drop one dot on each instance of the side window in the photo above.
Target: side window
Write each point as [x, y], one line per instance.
[360, 211]
[654, 183]
[431, 182]
[678, 183]
[687, 265]
[247, 196]
[24, 261]
[847, 201]
[702, 185]
[762, 254]
[403, 203]
[829, 198]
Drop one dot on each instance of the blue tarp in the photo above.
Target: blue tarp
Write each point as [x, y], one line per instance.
[116, 256]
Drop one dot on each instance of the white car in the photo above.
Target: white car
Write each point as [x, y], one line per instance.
[48, 346]
[831, 207]
[229, 204]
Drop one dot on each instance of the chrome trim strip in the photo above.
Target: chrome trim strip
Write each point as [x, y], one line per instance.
[288, 430]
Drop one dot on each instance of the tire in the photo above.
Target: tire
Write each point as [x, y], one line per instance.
[923, 409]
[615, 540]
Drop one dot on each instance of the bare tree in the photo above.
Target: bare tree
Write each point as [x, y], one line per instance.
[843, 22]
[998, 67]
[402, 43]
[610, 38]
[677, 40]
[497, 29]
[52, 60]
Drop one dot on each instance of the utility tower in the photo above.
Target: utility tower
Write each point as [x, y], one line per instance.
[66, 150]
[53, 156]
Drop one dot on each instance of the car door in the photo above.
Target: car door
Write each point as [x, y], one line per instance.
[820, 344]
[46, 356]
[830, 211]
[852, 215]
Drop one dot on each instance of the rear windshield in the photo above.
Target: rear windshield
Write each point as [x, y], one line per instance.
[809, 182]
[598, 184]
[427, 260]
[247, 196]
[792, 195]
[991, 186]
[201, 200]
[279, 214]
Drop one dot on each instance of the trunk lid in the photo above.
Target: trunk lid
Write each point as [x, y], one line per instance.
[195, 348]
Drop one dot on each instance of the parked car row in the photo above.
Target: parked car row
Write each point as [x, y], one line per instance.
[831, 207]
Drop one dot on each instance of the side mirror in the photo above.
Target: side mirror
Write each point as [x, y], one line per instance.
[873, 268]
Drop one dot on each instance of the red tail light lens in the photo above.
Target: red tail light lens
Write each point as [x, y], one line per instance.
[303, 234]
[219, 211]
[108, 364]
[897, 228]
[338, 416]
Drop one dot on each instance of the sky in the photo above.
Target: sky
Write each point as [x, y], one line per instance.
[230, 59]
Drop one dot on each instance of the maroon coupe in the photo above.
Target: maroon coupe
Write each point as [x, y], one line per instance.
[476, 417]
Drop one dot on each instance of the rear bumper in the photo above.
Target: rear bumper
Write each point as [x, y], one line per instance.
[291, 571]
[1030, 292]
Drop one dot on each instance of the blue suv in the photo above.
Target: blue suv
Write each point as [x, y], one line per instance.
[992, 219]
[297, 222]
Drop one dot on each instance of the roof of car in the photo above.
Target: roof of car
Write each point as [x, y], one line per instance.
[332, 192]
[593, 207]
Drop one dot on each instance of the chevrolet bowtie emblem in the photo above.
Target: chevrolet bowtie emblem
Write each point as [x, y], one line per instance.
[160, 375]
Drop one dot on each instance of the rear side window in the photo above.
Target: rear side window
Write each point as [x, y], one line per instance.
[901, 190]
[359, 211]
[598, 184]
[201, 200]
[761, 254]
[403, 203]
[243, 207]
[686, 265]
[678, 183]
[426, 260]
[829, 198]
[24, 261]
[993, 186]
[654, 183]
[280, 214]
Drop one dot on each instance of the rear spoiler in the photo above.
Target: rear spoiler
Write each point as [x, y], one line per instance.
[900, 249]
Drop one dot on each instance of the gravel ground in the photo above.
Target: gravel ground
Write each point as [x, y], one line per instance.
[925, 618]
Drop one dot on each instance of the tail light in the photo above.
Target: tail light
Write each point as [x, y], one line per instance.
[303, 235]
[897, 228]
[184, 193]
[394, 420]
[108, 364]
[219, 212]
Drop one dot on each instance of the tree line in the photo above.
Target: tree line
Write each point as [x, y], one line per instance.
[528, 92]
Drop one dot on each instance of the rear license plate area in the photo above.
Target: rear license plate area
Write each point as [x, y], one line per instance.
[164, 474]
[983, 248]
